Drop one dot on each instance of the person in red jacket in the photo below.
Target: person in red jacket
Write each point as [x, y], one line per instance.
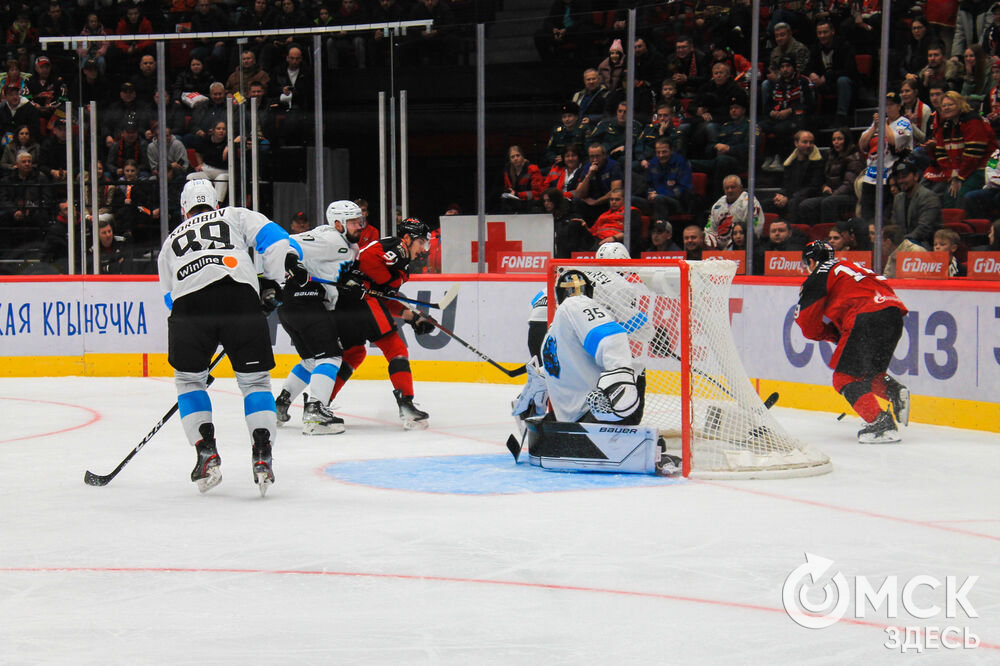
[362, 317]
[127, 52]
[849, 305]
[522, 183]
[610, 225]
[965, 141]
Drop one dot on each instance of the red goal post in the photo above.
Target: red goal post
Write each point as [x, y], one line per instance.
[698, 395]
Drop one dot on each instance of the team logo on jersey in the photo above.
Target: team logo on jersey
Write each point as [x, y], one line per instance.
[208, 260]
[550, 357]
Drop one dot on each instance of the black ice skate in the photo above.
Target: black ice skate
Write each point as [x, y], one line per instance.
[263, 475]
[899, 396]
[281, 404]
[880, 431]
[317, 419]
[207, 472]
[412, 418]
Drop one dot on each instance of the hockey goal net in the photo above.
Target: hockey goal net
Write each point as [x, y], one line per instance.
[698, 395]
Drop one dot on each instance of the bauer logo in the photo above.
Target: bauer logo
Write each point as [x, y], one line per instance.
[922, 264]
[984, 266]
[788, 264]
[815, 595]
[624, 431]
[523, 262]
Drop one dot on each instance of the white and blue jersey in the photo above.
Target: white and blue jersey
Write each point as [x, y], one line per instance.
[902, 130]
[327, 256]
[216, 244]
[583, 341]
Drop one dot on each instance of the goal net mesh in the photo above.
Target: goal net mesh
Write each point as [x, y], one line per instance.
[730, 433]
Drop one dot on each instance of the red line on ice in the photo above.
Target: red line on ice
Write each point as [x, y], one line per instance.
[95, 416]
[444, 579]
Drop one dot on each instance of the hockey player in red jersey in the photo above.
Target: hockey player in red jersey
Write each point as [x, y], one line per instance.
[847, 304]
[382, 267]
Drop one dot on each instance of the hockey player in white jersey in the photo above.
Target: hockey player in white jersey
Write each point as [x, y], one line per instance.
[310, 295]
[596, 391]
[210, 285]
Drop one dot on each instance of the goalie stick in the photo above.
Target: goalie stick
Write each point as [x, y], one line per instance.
[92, 479]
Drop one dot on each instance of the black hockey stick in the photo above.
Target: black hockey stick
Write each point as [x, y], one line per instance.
[516, 372]
[92, 479]
[445, 301]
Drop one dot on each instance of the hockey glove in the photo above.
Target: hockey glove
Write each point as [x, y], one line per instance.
[354, 286]
[270, 295]
[295, 272]
[422, 324]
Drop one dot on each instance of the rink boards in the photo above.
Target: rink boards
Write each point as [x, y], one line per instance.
[949, 354]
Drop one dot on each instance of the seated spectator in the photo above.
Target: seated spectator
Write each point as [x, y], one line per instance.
[732, 147]
[23, 141]
[371, 232]
[940, 70]
[786, 107]
[780, 238]
[564, 32]
[694, 242]
[992, 239]
[914, 109]
[144, 81]
[985, 203]
[212, 52]
[25, 195]
[292, 92]
[93, 84]
[738, 238]
[190, 85]
[22, 36]
[965, 141]
[348, 47]
[841, 237]
[384, 11]
[568, 133]
[213, 159]
[990, 34]
[668, 179]
[661, 234]
[841, 168]
[567, 174]
[913, 54]
[712, 107]
[803, 177]
[785, 46]
[976, 76]
[892, 239]
[125, 53]
[207, 116]
[647, 64]
[96, 51]
[299, 223]
[47, 89]
[522, 183]
[129, 146]
[248, 71]
[612, 69]
[733, 208]
[267, 130]
[601, 176]
[665, 124]
[14, 77]
[591, 99]
[54, 23]
[610, 225]
[611, 133]
[569, 234]
[916, 210]
[114, 253]
[52, 153]
[898, 142]
[435, 45]
[16, 111]
[127, 108]
[832, 69]
[687, 68]
[178, 163]
[136, 206]
[948, 240]
[261, 15]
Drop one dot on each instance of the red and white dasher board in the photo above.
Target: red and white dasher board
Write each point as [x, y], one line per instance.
[514, 243]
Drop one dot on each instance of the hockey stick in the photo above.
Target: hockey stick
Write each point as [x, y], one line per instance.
[92, 479]
[516, 372]
[445, 301]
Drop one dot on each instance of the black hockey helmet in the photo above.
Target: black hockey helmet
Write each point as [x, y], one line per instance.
[573, 283]
[414, 227]
[819, 251]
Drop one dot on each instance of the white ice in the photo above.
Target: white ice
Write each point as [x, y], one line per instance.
[147, 570]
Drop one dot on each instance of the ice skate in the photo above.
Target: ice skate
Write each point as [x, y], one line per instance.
[281, 404]
[207, 472]
[880, 431]
[317, 419]
[899, 396]
[263, 475]
[412, 418]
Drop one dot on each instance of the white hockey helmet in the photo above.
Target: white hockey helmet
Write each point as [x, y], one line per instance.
[612, 251]
[342, 211]
[199, 192]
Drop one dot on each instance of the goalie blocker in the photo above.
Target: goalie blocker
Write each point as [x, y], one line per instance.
[597, 447]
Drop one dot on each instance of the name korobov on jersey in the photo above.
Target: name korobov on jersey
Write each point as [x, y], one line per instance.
[216, 244]
[328, 257]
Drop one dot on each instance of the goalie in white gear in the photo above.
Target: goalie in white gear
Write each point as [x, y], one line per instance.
[596, 391]
[310, 296]
[622, 293]
[210, 285]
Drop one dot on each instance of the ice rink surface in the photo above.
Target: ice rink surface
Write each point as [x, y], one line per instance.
[382, 546]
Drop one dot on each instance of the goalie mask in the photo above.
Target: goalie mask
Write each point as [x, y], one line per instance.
[819, 251]
[612, 251]
[573, 283]
[199, 192]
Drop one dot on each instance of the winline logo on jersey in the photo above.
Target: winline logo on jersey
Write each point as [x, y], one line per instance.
[207, 260]
[867, 599]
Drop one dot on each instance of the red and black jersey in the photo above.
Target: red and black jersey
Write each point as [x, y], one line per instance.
[385, 264]
[834, 295]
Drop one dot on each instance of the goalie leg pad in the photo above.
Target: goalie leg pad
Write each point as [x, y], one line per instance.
[592, 447]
